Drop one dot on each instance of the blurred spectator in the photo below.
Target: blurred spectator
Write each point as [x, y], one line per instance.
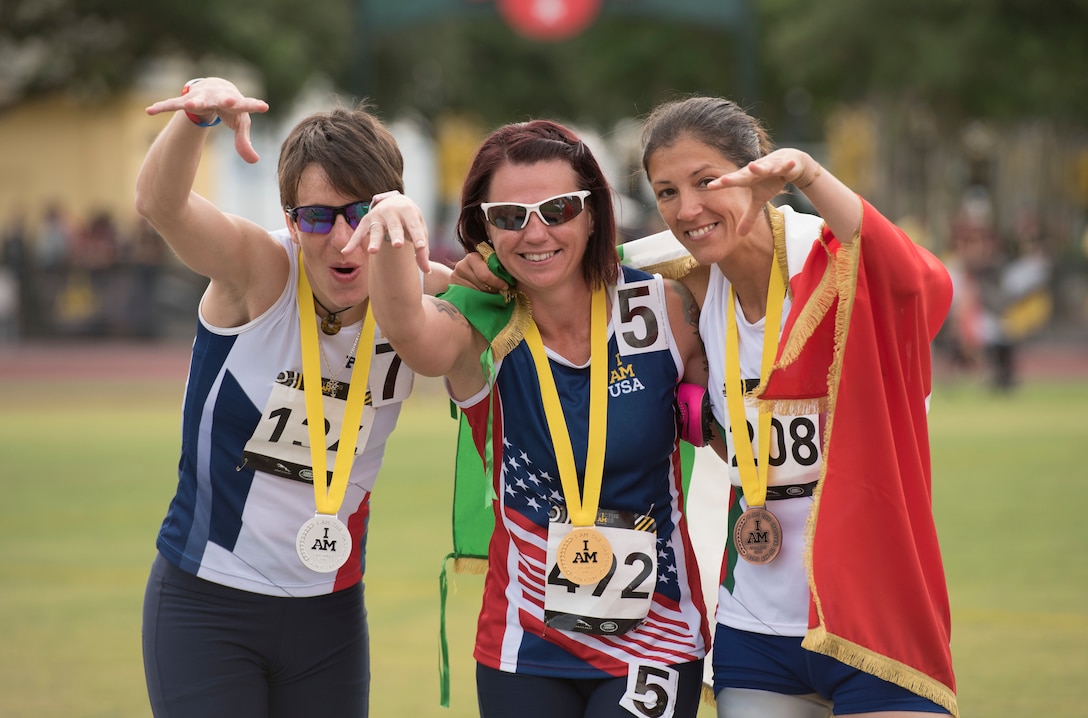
[13, 265]
[146, 255]
[1001, 295]
[973, 244]
[54, 239]
[44, 276]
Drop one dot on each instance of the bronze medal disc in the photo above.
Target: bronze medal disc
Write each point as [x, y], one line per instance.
[757, 535]
[584, 556]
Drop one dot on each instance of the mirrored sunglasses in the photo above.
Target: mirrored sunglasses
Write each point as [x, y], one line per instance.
[552, 211]
[319, 219]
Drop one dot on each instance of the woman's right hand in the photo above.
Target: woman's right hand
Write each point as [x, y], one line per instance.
[472, 272]
[216, 96]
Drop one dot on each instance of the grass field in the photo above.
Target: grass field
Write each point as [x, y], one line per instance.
[88, 468]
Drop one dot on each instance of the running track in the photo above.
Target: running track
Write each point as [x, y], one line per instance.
[170, 360]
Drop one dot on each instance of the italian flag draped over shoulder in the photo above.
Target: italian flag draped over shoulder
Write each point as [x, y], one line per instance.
[857, 341]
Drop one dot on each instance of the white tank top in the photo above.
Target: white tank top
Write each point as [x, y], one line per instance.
[770, 598]
[240, 501]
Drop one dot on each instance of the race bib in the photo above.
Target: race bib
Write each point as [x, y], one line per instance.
[619, 601]
[651, 691]
[795, 446]
[638, 317]
[390, 379]
[280, 444]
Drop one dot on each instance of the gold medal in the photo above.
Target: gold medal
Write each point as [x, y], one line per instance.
[757, 535]
[323, 543]
[584, 556]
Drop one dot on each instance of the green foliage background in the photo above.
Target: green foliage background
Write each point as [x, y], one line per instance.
[964, 58]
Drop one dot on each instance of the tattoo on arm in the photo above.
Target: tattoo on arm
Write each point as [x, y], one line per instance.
[454, 313]
[691, 312]
[691, 307]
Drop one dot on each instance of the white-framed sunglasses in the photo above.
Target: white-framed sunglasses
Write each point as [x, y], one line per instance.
[552, 211]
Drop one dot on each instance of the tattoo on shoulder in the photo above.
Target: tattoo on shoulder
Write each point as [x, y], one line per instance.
[691, 307]
[445, 307]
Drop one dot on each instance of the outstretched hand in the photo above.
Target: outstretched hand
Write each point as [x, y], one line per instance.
[395, 219]
[766, 177]
[214, 95]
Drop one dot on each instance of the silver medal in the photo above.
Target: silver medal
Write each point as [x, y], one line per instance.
[323, 543]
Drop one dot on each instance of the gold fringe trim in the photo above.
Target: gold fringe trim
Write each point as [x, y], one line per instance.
[845, 264]
[512, 334]
[819, 640]
[672, 268]
[808, 320]
[708, 695]
[793, 407]
[848, 255]
[472, 566]
[811, 315]
[514, 331]
[778, 232]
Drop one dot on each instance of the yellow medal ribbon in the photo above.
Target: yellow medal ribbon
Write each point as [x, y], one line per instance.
[581, 506]
[329, 496]
[753, 476]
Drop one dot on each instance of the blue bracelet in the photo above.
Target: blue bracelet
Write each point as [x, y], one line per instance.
[201, 123]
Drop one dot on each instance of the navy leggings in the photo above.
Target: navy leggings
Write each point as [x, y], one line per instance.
[517, 695]
[210, 650]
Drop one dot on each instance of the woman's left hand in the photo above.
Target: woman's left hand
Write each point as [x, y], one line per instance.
[395, 219]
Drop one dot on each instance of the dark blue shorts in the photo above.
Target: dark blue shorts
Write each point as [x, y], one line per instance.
[779, 664]
[502, 694]
[210, 650]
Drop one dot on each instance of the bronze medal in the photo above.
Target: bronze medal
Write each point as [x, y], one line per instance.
[584, 556]
[757, 535]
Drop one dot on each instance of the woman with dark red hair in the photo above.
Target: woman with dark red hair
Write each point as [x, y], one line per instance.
[591, 604]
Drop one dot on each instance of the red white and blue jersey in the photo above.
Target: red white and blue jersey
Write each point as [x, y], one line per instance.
[642, 477]
[242, 492]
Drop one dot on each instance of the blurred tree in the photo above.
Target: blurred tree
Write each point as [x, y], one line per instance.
[995, 59]
[94, 48]
[617, 68]
[468, 59]
[964, 58]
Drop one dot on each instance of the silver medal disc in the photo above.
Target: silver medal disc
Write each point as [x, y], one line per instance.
[323, 543]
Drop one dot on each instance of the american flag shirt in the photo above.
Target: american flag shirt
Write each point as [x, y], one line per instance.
[642, 476]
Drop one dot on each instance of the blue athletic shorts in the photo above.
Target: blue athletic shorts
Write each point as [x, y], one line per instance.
[503, 694]
[779, 664]
[211, 650]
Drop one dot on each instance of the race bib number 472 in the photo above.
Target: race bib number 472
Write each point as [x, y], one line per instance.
[616, 603]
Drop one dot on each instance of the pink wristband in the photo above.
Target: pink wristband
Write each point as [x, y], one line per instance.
[692, 401]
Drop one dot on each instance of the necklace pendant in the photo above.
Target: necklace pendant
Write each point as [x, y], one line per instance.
[332, 387]
[330, 324]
